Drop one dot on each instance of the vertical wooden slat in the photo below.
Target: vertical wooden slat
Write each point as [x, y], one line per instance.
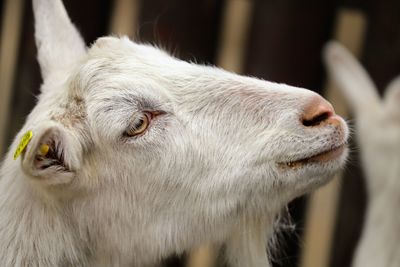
[26, 86]
[124, 18]
[321, 215]
[234, 34]
[10, 38]
[203, 256]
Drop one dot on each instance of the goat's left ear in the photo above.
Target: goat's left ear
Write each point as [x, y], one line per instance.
[58, 41]
[53, 155]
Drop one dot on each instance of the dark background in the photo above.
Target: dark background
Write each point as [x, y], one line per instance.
[284, 45]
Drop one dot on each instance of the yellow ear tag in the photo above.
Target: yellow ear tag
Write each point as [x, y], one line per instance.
[23, 143]
[44, 149]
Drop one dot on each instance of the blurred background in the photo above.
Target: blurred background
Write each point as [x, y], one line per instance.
[281, 41]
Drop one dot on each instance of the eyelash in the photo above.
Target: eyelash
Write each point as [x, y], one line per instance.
[143, 121]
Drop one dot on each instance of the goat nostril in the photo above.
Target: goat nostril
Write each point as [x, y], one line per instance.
[317, 111]
[317, 119]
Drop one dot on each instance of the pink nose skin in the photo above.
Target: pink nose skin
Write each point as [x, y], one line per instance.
[318, 112]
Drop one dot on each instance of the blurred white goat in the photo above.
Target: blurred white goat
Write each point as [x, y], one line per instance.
[136, 155]
[378, 135]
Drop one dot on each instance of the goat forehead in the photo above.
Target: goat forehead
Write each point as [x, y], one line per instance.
[125, 53]
[109, 84]
[107, 68]
[118, 66]
[111, 60]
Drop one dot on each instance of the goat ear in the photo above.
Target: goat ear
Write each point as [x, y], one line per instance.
[52, 156]
[58, 41]
[351, 78]
[392, 97]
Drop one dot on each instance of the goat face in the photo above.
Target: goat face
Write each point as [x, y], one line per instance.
[169, 151]
[211, 134]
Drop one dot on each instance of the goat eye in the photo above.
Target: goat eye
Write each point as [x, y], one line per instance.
[139, 127]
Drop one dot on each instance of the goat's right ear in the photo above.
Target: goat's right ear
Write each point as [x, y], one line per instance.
[392, 97]
[58, 41]
[351, 78]
[52, 156]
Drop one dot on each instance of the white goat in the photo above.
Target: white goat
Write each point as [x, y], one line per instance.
[136, 155]
[378, 132]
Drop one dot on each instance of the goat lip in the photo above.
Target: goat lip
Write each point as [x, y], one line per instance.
[321, 157]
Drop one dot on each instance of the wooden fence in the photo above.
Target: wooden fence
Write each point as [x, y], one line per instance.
[275, 40]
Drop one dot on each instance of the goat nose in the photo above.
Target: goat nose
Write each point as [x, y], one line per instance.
[317, 111]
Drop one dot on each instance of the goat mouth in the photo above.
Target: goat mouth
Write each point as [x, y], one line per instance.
[325, 156]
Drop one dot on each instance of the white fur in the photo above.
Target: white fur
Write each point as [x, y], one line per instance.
[205, 170]
[378, 132]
